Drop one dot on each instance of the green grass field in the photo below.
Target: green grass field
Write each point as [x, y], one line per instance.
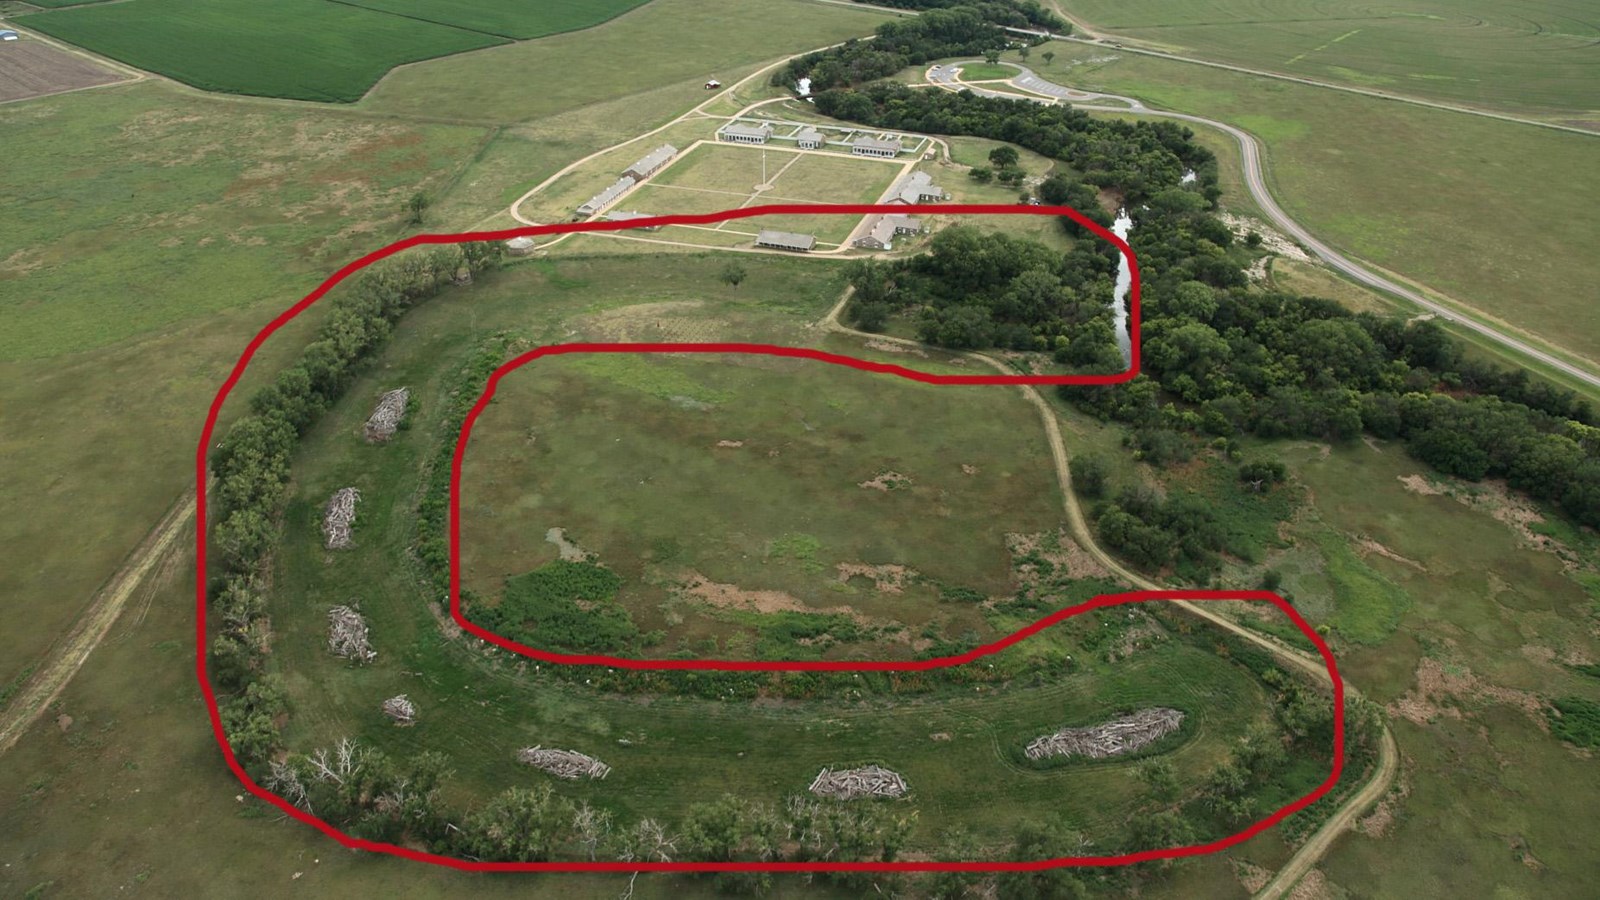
[1535, 54]
[1447, 203]
[521, 21]
[636, 442]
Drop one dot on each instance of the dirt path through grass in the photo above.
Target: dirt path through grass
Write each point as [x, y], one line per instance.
[39, 691]
[1310, 852]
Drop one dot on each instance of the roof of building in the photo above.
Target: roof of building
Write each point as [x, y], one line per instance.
[609, 194]
[904, 223]
[877, 143]
[912, 188]
[786, 239]
[624, 216]
[808, 134]
[762, 130]
[653, 160]
[520, 243]
[882, 231]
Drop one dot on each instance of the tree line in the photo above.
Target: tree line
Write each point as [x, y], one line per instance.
[251, 471]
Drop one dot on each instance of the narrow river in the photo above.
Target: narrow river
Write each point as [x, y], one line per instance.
[1119, 299]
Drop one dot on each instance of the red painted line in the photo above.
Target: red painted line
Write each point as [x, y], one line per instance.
[207, 432]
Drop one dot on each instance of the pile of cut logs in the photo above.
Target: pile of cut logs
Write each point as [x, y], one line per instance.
[337, 520]
[401, 710]
[563, 763]
[387, 414]
[850, 784]
[1118, 736]
[347, 635]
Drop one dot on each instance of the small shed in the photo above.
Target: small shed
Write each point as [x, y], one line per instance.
[713, 84]
[520, 246]
[8, 35]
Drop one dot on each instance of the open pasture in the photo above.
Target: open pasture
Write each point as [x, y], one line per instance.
[776, 486]
[520, 21]
[1539, 54]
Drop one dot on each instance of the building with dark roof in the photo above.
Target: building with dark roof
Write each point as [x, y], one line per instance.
[783, 240]
[651, 163]
[745, 133]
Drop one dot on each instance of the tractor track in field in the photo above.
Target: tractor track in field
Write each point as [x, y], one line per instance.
[66, 657]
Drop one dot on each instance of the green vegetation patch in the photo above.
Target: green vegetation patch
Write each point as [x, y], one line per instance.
[1367, 606]
[565, 604]
[513, 20]
[1576, 720]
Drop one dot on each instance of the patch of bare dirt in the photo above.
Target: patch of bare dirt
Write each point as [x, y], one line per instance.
[939, 736]
[886, 579]
[569, 551]
[1376, 824]
[1365, 545]
[447, 625]
[892, 347]
[1251, 877]
[1314, 886]
[22, 262]
[886, 481]
[730, 443]
[1371, 443]
[1436, 685]
[1419, 484]
[1062, 552]
[968, 470]
[731, 596]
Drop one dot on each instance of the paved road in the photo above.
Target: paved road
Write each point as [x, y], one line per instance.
[1255, 181]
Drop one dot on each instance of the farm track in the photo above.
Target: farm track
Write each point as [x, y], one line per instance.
[47, 682]
[1310, 852]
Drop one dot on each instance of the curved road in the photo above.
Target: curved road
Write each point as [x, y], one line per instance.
[1250, 154]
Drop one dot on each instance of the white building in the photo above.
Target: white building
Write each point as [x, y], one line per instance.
[880, 147]
[745, 133]
[809, 138]
[883, 232]
[918, 187]
[651, 162]
[606, 197]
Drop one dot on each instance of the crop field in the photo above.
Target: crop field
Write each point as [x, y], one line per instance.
[298, 49]
[34, 69]
[521, 21]
[650, 451]
[1446, 203]
[1535, 54]
[1475, 644]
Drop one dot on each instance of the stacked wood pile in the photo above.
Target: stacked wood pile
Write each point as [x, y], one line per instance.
[347, 635]
[1118, 736]
[850, 784]
[401, 710]
[341, 514]
[563, 763]
[387, 414]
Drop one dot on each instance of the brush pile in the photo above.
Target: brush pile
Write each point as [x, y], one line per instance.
[851, 784]
[1113, 738]
[563, 763]
[387, 414]
[347, 635]
[401, 710]
[341, 514]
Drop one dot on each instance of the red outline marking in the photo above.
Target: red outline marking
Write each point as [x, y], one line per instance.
[207, 432]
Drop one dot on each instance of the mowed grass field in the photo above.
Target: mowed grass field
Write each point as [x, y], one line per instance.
[1537, 55]
[628, 454]
[1459, 203]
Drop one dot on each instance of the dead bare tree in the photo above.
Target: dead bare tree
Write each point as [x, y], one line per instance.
[648, 841]
[347, 635]
[591, 826]
[386, 416]
[284, 780]
[339, 517]
[851, 784]
[563, 763]
[1125, 735]
[344, 764]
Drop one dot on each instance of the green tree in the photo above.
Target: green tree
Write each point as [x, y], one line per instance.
[1160, 777]
[714, 831]
[1089, 476]
[416, 205]
[1004, 157]
[981, 174]
[870, 316]
[1049, 56]
[733, 274]
[1023, 52]
[519, 825]
[992, 57]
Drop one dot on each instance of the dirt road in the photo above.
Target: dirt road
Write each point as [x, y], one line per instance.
[47, 682]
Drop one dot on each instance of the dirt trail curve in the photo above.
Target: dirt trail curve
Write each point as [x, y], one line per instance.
[47, 682]
[1312, 850]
